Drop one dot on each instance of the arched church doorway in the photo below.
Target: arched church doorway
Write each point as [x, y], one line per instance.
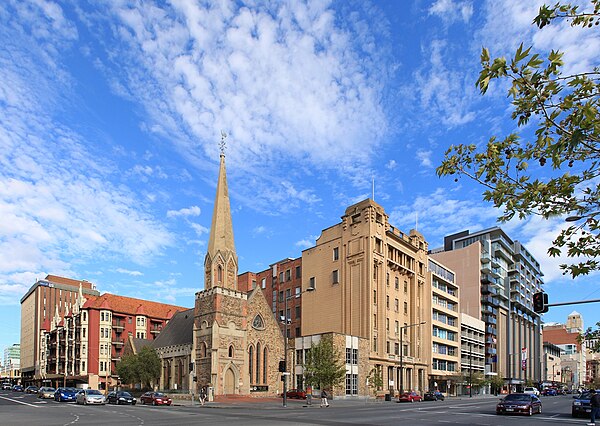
[229, 382]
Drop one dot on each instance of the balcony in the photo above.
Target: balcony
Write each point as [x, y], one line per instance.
[115, 358]
[118, 326]
[155, 330]
[118, 342]
[489, 289]
[490, 351]
[491, 330]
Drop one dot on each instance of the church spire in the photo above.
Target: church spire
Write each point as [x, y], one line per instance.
[221, 258]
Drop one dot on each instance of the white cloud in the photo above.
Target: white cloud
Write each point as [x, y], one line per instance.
[200, 230]
[391, 165]
[189, 211]
[128, 272]
[451, 11]
[424, 158]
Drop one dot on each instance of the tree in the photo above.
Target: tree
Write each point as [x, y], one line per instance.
[591, 337]
[565, 147]
[324, 366]
[496, 382]
[375, 378]
[142, 368]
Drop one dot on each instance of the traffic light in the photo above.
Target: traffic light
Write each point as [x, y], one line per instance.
[540, 302]
[282, 366]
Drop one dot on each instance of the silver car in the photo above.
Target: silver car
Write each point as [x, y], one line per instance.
[90, 396]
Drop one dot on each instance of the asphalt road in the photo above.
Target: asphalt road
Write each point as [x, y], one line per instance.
[23, 409]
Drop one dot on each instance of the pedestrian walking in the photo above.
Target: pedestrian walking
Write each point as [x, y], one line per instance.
[595, 403]
[202, 395]
[324, 402]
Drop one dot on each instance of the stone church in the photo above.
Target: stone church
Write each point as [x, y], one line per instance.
[237, 341]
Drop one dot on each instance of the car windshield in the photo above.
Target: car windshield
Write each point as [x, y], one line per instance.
[125, 394]
[517, 397]
[94, 392]
[159, 395]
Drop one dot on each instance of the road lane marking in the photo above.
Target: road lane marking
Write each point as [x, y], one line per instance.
[19, 402]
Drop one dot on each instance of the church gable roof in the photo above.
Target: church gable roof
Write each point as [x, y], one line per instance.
[178, 331]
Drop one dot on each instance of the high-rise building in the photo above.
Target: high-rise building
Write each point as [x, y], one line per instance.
[498, 279]
[374, 283]
[38, 307]
[11, 365]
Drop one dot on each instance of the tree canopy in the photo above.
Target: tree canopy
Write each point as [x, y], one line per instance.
[323, 366]
[142, 368]
[564, 149]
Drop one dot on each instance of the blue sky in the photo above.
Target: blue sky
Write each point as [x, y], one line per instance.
[111, 115]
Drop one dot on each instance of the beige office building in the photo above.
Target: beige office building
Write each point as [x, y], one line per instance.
[373, 282]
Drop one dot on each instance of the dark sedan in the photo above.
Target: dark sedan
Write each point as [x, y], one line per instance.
[155, 398]
[519, 403]
[120, 397]
[65, 394]
[581, 404]
[31, 389]
[433, 396]
[17, 388]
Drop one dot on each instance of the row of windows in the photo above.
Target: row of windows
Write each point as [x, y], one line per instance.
[103, 366]
[444, 334]
[396, 283]
[352, 356]
[351, 384]
[444, 303]
[444, 287]
[256, 372]
[443, 349]
[287, 275]
[440, 364]
[438, 316]
[104, 332]
[105, 316]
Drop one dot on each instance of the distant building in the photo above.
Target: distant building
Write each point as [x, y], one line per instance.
[472, 361]
[551, 365]
[573, 354]
[11, 365]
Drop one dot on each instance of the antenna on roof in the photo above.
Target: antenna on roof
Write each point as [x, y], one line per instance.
[223, 144]
[373, 180]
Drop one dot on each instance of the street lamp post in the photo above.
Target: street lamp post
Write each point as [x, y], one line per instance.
[402, 352]
[285, 344]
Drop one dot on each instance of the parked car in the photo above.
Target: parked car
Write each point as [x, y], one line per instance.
[46, 392]
[296, 393]
[7, 386]
[120, 397]
[65, 394]
[90, 396]
[549, 392]
[433, 396]
[410, 397]
[17, 388]
[155, 398]
[519, 403]
[31, 389]
[581, 404]
[531, 390]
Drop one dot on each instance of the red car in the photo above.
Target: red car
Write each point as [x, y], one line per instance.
[155, 398]
[410, 397]
[296, 393]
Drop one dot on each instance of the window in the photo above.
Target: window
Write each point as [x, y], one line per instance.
[251, 362]
[288, 293]
[258, 350]
[397, 283]
[298, 311]
[387, 279]
[405, 286]
[288, 275]
[298, 332]
[396, 327]
[311, 283]
[374, 320]
[231, 352]
[83, 332]
[405, 308]
[336, 253]
[387, 324]
[299, 358]
[253, 284]
[281, 277]
[355, 356]
[335, 277]
[298, 272]
[375, 344]
[298, 291]
[374, 297]
[281, 296]
[265, 367]
[387, 302]
[84, 316]
[387, 346]
[219, 274]
[396, 305]
[397, 348]
[263, 283]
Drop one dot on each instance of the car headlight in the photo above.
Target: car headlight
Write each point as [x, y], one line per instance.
[577, 403]
[121, 399]
[522, 406]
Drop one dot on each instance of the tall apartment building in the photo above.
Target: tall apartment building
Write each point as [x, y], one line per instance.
[472, 344]
[498, 279]
[372, 282]
[446, 329]
[38, 307]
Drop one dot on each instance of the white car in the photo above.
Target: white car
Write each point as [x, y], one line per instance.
[532, 391]
[90, 396]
